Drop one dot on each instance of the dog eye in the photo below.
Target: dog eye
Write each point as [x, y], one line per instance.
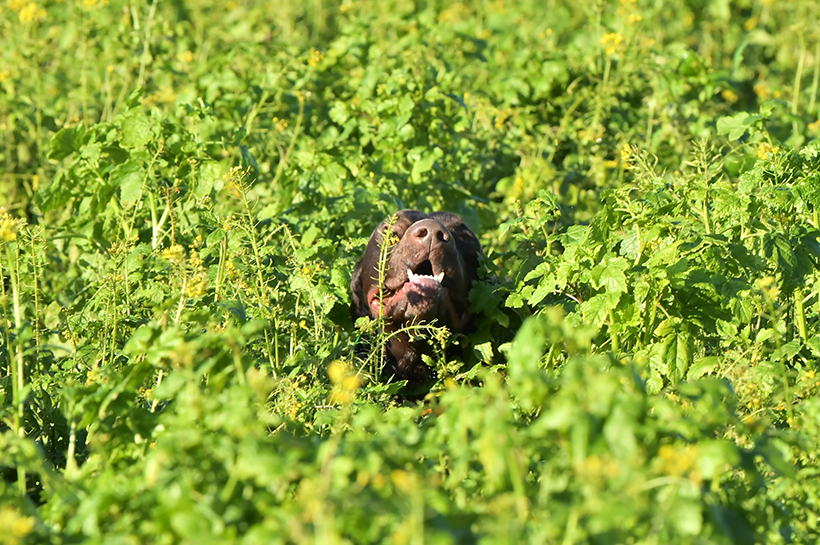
[464, 235]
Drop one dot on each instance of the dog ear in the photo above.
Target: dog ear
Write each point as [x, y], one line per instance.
[358, 305]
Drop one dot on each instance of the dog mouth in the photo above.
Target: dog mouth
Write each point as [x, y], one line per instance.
[420, 295]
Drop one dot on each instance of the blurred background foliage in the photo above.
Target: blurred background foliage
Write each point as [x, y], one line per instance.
[185, 188]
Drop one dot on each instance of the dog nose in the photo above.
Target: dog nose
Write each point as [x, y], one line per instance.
[429, 233]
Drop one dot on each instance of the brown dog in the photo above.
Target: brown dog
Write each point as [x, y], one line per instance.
[427, 278]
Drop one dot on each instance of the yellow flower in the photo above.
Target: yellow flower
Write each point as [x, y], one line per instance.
[174, 254]
[612, 41]
[197, 286]
[4, 75]
[346, 382]
[635, 18]
[336, 371]
[626, 152]
[751, 23]
[761, 90]
[729, 96]
[17, 5]
[13, 525]
[404, 481]
[187, 56]
[315, 58]
[8, 226]
[765, 151]
[677, 461]
[31, 13]
[768, 287]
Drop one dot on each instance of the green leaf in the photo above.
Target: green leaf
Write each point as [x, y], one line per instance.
[610, 275]
[129, 176]
[527, 379]
[787, 351]
[65, 142]
[687, 516]
[714, 456]
[702, 367]
[676, 355]
[736, 126]
[135, 130]
[596, 309]
[813, 345]
[425, 163]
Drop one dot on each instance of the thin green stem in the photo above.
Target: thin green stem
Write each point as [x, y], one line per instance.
[18, 366]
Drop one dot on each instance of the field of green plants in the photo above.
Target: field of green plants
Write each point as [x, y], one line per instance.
[185, 188]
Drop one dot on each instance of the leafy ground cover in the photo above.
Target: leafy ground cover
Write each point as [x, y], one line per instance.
[187, 185]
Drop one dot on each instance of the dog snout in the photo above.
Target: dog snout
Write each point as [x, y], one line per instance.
[429, 234]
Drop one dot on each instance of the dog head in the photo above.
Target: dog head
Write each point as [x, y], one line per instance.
[429, 264]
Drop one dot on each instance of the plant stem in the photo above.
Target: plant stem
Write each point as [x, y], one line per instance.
[800, 314]
[815, 79]
[18, 366]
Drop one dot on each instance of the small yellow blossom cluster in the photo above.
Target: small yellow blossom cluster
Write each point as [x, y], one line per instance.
[761, 89]
[187, 57]
[612, 42]
[677, 462]
[729, 96]
[405, 481]
[4, 75]
[235, 177]
[502, 116]
[455, 13]
[27, 12]
[174, 254]
[315, 58]
[627, 9]
[345, 382]
[198, 283]
[8, 226]
[627, 153]
[768, 287]
[231, 272]
[14, 526]
[545, 34]
[813, 127]
[766, 151]
[597, 467]
[92, 3]
[280, 124]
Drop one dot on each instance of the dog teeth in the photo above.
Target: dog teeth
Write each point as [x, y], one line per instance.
[412, 277]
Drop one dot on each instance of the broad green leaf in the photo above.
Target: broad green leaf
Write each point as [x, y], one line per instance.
[702, 366]
[596, 309]
[736, 125]
[527, 379]
[813, 344]
[676, 355]
[687, 516]
[135, 130]
[129, 177]
[425, 163]
[66, 141]
[610, 275]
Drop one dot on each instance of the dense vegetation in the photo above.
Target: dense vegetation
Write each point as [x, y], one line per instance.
[187, 185]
